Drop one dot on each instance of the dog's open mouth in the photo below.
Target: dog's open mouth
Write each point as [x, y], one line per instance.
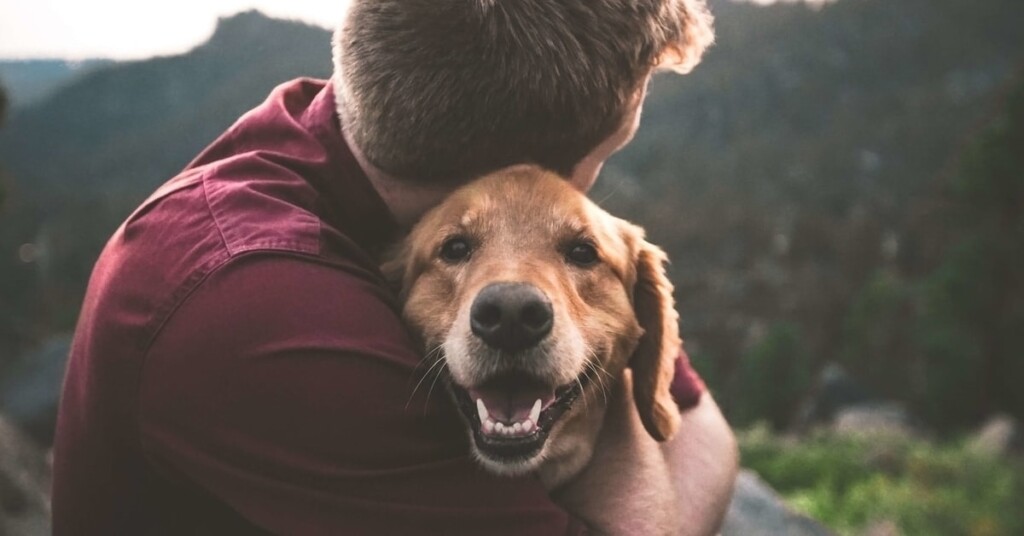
[512, 414]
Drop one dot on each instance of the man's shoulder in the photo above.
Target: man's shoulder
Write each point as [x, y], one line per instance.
[280, 181]
[204, 220]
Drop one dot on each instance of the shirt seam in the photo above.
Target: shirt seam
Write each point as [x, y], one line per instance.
[303, 246]
[213, 216]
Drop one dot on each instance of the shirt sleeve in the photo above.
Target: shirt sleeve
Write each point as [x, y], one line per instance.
[283, 387]
[687, 386]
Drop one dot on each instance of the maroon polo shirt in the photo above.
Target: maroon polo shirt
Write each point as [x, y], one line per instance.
[240, 366]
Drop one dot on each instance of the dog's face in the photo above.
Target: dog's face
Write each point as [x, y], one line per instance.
[537, 300]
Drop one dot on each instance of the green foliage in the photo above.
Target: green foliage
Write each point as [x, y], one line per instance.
[849, 483]
[710, 370]
[773, 377]
[950, 340]
[876, 331]
[973, 314]
[952, 354]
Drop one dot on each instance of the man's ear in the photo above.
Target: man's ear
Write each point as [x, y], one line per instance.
[696, 34]
[653, 362]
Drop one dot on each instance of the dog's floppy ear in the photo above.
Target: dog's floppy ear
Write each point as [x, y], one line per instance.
[653, 362]
[695, 32]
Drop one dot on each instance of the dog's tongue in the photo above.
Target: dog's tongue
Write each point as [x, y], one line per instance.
[512, 399]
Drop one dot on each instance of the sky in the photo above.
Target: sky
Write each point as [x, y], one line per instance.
[132, 29]
[135, 29]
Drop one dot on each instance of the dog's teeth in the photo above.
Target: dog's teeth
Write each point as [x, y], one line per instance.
[535, 412]
[499, 427]
[481, 408]
[488, 426]
[517, 428]
[527, 426]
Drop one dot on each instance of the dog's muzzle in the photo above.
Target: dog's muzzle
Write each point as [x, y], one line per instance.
[513, 409]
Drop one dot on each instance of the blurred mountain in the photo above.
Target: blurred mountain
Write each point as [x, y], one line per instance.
[75, 163]
[802, 163]
[857, 98]
[30, 81]
[804, 157]
[129, 126]
[27, 392]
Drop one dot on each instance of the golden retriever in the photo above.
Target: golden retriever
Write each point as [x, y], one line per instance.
[541, 305]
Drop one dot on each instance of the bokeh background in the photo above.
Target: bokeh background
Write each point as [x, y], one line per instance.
[840, 186]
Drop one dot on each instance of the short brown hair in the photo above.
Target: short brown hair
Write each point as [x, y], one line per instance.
[446, 90]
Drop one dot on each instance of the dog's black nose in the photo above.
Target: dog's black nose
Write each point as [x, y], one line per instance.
[511, 316]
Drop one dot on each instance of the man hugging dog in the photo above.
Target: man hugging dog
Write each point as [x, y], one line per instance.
[240, 365]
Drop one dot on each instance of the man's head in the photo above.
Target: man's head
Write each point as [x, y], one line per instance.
[446, 90]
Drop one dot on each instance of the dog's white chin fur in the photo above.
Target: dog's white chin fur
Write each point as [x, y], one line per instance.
[505, 468]
[561, 362]
[569, 446]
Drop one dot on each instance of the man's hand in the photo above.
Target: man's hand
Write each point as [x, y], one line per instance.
[634, 485]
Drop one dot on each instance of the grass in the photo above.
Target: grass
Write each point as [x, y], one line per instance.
[922, 488]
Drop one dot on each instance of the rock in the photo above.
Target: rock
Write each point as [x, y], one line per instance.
[24, 484]
[882, 528]
[833, 390]
[839, 402]
[880, 418]
[999, 436]
[757, 510]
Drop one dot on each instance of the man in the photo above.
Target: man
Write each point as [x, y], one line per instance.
[240, 366]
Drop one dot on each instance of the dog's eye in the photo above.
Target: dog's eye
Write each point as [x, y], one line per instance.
[455, 249]
[582, 254]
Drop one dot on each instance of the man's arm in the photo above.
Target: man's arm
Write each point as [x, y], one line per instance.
[703, 459]
[634, 485]
[281, 388]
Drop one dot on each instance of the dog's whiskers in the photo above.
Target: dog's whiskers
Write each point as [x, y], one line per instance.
[592, 367]
[586, 403]
[615, 189]
[436, 376]
[435, 355]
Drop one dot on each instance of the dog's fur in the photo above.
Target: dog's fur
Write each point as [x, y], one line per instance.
[614, 321]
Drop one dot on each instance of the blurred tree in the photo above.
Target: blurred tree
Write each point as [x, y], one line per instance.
[876, 336]
[773, 377]
[950, 338]
[972, 326]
